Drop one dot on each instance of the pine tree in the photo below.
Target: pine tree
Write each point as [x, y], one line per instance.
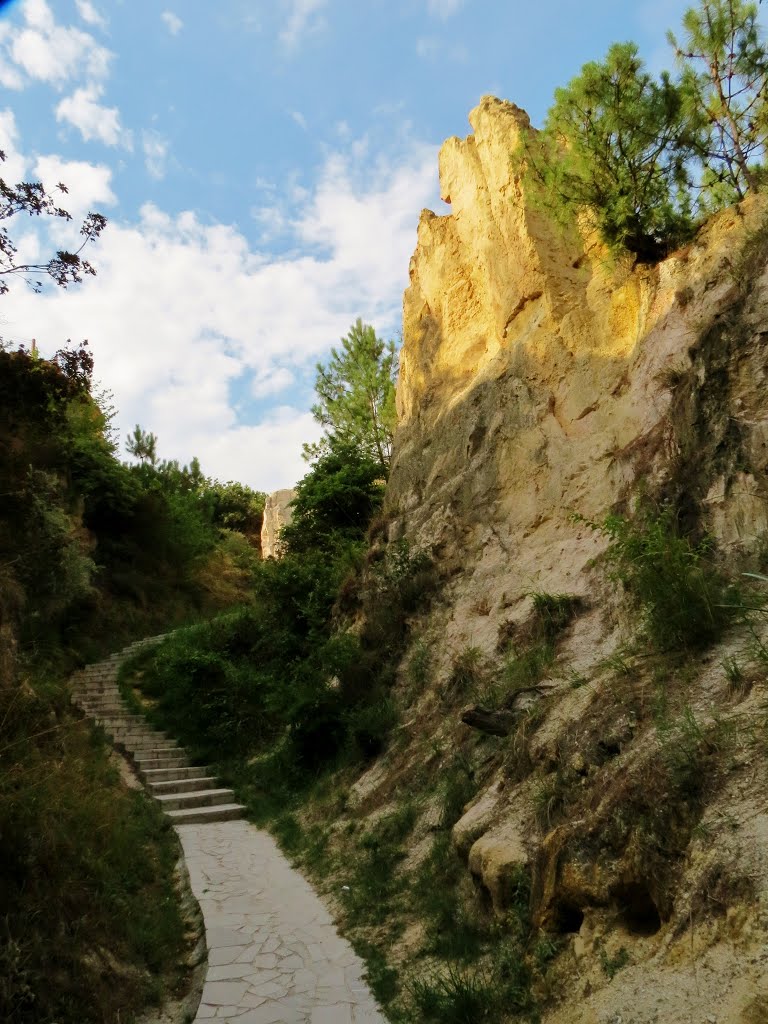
[616, 144]
[725, 73]
[142, 444]
[356, 391]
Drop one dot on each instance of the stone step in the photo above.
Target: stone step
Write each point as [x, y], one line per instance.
[180, 761]
[195, 798]
[203, 815]
[159, 750]
[125, 718]
[191, 785]
[122, 717]
[132, 728]
[138, 733]
[149, 749]
[120, 723]
[147, 740]
[173, 774]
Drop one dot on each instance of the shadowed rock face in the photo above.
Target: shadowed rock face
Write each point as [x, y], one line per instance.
[277, 514]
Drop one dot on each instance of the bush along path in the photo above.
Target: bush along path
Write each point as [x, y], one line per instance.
[274, 955]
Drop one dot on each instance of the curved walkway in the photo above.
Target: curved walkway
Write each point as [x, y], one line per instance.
[274, 955]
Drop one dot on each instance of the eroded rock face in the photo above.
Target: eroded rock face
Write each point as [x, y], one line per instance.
[277, 514]
[540, 378]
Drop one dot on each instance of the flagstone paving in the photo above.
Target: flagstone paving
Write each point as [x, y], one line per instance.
[274, 955]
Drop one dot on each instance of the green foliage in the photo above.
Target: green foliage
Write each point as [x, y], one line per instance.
[276, 682]
[356, 392]
[91, 551]
[142, 445]
[616, 144]
[335, 501]
[644, 158]
[685, 600]
[375, 881]
[397, 585]
[490, 993]
[725, 77]
[419, 664]
[89, 919]
[380, 976]
[552, 613]
[467, 669]
[613, 964]
[550, 797]
[104, 550]
[236, 507]
[455, 996]
[533, 646]
[458, 786]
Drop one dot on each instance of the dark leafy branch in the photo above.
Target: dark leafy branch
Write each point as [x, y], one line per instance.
[64, 267]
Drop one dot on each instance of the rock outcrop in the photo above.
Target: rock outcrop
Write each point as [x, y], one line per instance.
[277, 514]
[540, 378]
[544, 384]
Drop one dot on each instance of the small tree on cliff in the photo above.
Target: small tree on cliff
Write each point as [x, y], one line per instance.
[63, 267]
[356, 392]
[725, 76]
[616, 144]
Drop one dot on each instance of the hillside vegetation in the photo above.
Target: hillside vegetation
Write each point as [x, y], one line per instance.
[93, 552]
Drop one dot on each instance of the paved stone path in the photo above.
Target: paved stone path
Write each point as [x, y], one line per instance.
[274, 955]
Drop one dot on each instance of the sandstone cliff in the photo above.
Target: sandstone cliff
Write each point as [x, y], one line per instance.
[277, 514]
[540, 378]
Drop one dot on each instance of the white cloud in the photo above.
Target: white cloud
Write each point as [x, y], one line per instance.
[304, 17]
[271, 220]
[89, 186]
[155, 154]
[90, 15]
[38, 14]
[181, 311]
[266, 455]
[173, 22]
[93, 120]
[444, 8]
[299, 118]
[431, 48]
[10, 78]
[53, 53]
[272, 382]
[14, 168]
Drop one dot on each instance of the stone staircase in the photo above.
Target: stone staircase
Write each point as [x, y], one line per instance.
[188, 795]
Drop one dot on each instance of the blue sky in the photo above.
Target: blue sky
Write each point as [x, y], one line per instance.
[262, 164]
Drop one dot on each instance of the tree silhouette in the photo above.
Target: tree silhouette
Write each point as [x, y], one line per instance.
[64, 267]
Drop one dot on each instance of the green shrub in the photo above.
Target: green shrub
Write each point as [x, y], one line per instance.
[458, 786]
[455, 996]
[685, 601]
[90, 924]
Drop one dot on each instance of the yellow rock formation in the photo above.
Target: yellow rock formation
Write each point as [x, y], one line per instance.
[542, 378]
